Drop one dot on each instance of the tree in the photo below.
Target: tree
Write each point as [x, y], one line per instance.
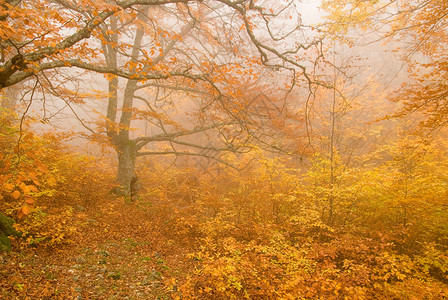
[198, 49]
[416, 30]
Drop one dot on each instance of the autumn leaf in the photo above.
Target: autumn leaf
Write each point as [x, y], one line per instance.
[29, 200]
[16, 194]
[25, 210]
[8, 186]
[25, 188]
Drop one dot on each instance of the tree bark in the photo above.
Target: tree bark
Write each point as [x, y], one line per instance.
[126, 148]
[127, 154]
[9, 98]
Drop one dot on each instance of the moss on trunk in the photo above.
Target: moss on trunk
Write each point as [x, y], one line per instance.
[6, 230]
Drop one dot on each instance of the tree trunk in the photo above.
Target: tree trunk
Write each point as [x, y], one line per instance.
[6, 230]
[127, 153]
[125, 147]
[9, 98]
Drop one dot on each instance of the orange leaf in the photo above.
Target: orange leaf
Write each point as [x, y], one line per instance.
[25, 210]
[29, 200]
[8, 186]
[25, 188]
[16, 194]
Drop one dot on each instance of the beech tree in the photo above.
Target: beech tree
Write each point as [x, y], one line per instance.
[205, 52]
[416, 31]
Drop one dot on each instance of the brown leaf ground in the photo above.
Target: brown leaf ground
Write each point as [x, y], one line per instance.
[118, 252]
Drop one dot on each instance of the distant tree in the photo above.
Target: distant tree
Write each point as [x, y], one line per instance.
[417, 31]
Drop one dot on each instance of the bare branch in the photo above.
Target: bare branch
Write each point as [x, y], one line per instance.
[141, 141]
[180, 153]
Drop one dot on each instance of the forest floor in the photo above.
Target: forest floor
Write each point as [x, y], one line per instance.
[159, 249]
[117, 251]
